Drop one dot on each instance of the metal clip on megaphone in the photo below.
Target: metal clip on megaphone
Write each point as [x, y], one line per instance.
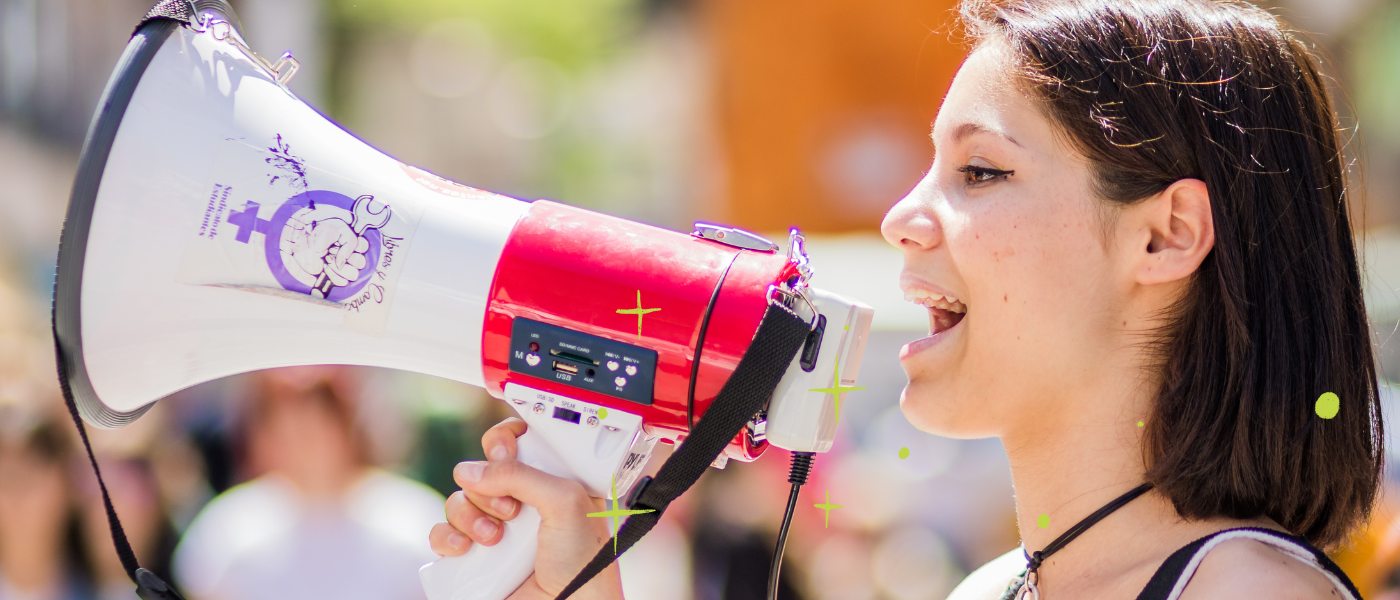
[219, 225]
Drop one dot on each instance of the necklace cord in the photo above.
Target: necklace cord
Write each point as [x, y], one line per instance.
[1034, 560]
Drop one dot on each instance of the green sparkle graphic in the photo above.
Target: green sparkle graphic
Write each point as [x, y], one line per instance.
[827, 507]
[603, 414]
[615, 513]
[1043, 521]
[639, 311]
[837, 388]
[903, 453]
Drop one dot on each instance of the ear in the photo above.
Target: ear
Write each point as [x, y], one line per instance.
[1172, 233]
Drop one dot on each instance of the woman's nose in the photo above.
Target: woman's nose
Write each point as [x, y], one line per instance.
[912, 224]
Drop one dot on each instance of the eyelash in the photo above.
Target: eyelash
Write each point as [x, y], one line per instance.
[976, 175]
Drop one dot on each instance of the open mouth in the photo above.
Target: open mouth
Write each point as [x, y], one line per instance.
[944, 311]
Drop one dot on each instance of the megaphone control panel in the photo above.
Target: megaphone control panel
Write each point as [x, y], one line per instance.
[581, 360]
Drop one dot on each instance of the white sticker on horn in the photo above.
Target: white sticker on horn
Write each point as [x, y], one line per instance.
[274, 225]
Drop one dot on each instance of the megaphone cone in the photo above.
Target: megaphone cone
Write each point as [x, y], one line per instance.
[203, 179]
[219, 225]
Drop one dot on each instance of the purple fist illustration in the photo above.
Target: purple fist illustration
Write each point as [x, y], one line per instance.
[324, 246]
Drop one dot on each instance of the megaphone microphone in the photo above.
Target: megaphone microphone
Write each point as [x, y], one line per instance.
[219, 225]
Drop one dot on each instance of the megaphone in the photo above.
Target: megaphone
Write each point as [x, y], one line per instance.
[219, 225]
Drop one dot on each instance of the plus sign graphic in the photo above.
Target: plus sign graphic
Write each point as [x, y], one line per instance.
[639, 311]
[827, 507]
[616, 512]
[836, 388]
[247, 222]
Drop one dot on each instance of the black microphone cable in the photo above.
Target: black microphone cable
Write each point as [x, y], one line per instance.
[797, 476]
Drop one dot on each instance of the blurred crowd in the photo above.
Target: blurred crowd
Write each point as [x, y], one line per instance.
[323, 481]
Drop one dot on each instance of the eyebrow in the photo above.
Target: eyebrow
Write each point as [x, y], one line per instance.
[964, 130]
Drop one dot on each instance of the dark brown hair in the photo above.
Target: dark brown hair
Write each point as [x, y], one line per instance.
[1155, 91]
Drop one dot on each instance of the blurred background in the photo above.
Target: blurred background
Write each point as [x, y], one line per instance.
[762, 114]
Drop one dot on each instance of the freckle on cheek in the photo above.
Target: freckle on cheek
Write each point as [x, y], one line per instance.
[1003, 298]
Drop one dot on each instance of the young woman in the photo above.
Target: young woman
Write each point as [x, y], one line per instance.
[1134, 247]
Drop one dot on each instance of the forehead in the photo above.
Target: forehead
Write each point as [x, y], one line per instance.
[985, 98]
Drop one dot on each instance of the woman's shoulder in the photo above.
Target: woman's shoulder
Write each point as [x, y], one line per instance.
[1253, 567]
[989, 582]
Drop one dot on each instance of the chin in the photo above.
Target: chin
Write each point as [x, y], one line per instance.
[934, 408]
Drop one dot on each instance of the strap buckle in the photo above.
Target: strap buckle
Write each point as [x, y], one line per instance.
[151, 587]
[797, 255]
[282, 71]
[789, 299]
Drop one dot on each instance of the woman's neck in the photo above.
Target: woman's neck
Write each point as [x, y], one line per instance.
[1077, 458]
[1064, 477]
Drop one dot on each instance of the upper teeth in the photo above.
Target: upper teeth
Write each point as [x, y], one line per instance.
[932, 300]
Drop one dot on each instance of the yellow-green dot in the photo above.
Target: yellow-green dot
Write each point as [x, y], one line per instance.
[903, 453]
[602, 413]
[1327, 405]
[1043, 521]
[1139, 423]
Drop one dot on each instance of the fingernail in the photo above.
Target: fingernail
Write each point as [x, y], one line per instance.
[484, 528]
[503, 504]
[499, 453]
[456, 540]
[469, 472]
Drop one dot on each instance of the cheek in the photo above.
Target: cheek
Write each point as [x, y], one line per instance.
[1031, 268]
[1030, 244]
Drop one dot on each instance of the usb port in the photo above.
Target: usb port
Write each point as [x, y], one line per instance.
[566, 367]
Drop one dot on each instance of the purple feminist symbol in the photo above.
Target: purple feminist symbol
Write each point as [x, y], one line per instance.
[281, 263]
[247, 222]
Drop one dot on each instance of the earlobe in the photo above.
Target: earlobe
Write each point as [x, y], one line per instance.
[1180, 232]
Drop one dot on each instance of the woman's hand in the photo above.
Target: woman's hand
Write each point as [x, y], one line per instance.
[492, 492]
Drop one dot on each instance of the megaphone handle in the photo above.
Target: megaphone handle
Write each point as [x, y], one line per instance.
[493, 572]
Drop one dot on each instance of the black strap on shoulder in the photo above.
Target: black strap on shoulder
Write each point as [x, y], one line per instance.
[779, 336]
[1164, 580]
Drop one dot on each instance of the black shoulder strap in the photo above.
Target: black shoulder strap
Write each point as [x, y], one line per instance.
[780, 335]
[1164, 580]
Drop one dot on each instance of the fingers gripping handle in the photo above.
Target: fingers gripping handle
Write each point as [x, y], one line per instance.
[493, 572]
[602, 449]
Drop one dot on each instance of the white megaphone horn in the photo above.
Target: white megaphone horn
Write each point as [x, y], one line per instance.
[219, 225]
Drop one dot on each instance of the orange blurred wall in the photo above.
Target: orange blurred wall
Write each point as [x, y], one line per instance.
[824, 106]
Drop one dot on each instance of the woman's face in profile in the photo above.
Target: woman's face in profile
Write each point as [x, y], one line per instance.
[1005, 222]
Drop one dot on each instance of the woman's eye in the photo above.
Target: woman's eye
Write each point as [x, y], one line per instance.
[973, 175]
